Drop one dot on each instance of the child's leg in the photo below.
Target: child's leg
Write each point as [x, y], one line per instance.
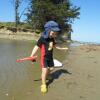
[45, 73]
[43, 76]
[51, 69]
[49, 77]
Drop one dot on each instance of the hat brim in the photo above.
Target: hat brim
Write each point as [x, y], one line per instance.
[56, 29]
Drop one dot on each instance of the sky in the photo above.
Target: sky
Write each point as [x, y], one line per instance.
[85, 29]
[7, 11]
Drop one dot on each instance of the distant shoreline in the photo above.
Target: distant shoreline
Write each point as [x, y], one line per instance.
[34, 37]
[30, 36]
[20, 35]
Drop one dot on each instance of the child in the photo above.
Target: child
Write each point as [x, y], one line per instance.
[46, 43]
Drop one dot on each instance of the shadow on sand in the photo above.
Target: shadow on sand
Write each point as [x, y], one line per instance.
[56, 74]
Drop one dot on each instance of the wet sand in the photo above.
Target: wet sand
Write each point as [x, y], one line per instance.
[79, 79]
[84, 82]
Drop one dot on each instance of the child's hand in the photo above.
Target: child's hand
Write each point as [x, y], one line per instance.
[50, 46]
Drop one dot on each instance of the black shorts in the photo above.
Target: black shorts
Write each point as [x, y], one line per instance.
[45, 63]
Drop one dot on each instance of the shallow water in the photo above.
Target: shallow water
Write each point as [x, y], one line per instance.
[20, 81]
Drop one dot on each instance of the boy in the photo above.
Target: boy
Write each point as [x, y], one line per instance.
[46, 43]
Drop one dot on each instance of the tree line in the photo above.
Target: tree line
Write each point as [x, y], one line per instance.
[40, 11]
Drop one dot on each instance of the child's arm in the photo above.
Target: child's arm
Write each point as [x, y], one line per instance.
[59, 48]
[35, 49]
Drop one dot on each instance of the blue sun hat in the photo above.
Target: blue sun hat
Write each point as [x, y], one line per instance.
[50, 26]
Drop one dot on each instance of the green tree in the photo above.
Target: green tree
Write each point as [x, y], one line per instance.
[61, 11]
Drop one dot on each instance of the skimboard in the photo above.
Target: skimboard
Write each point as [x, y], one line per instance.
[57, 63]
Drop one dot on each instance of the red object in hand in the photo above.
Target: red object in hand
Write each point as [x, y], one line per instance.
[33, 59]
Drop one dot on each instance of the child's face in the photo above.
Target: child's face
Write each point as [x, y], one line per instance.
[52, 34]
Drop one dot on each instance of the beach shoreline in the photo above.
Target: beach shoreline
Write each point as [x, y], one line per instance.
[19, 35]
[78, 79]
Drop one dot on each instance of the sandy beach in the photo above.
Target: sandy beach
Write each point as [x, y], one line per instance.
[78, 79]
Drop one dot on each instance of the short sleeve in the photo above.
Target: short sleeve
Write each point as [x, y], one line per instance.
[40, 41]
